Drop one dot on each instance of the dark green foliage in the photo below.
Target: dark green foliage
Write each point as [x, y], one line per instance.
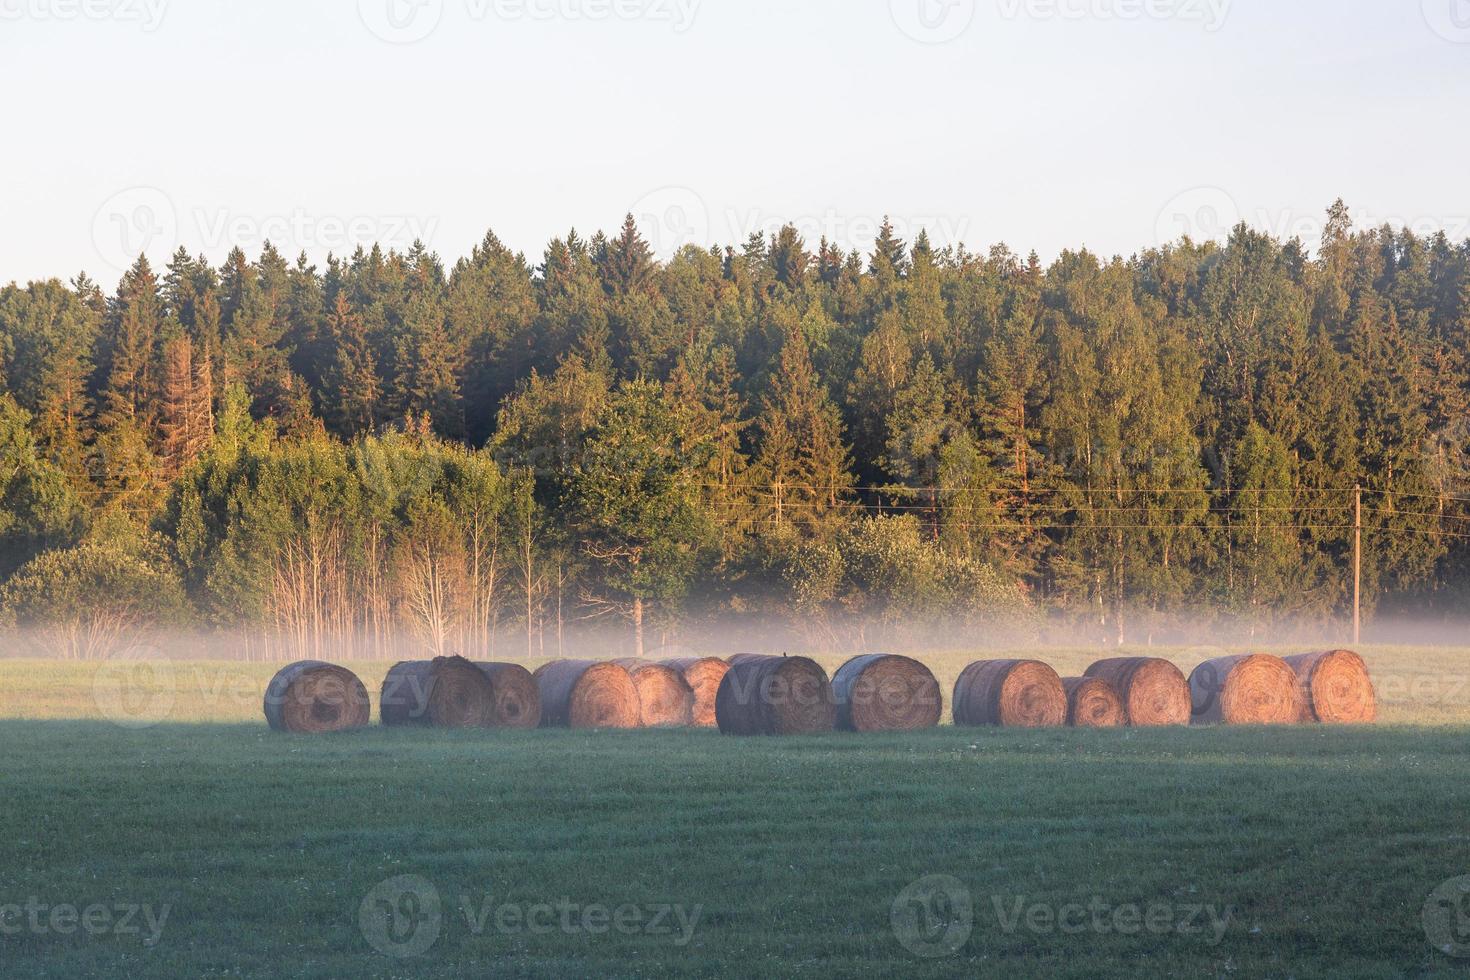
[634, 503]
[1122, 441]
[38, 505]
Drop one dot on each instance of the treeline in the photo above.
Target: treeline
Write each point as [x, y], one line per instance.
[387, 452]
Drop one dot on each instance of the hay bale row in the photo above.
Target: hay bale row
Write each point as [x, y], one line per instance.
[587, 694]
[1092, 703]
[1334, 688]
[1254, 689]
[774, 696]
[760, 695]
[1250, 689]
[1154, 692]
[665, 698]
[312, 698]
[885, 693]
[517, 698]
[446, 692]
[703, 675]
[1010, 693]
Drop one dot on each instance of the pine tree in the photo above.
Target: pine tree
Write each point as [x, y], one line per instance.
[39, 507]
[492, 311]
[47, 337]
[254, 329]
[921, 301]
[306, 311]
[187, 417]
[918, 430]
[702, 387]
[128, 370]
[1013, 387]
[830, 261]
[889, 252]
[1267, 575]
[181, 286]
[1333, 297]
[177, 415]
[429, 365]
[801, 460]
[627, 262]
[788, 258]
[351, 392]
[883, 369]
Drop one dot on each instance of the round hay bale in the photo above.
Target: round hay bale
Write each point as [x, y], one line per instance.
[517, 698]
[703, 675]
[311, 697]
[1010, 693]
[774, 696]
[1254, 689]
[1092, 703]
[587, 694]
[447, 692]
[884, 693]
[1154, 691]
[1335, 688]
[665, 700]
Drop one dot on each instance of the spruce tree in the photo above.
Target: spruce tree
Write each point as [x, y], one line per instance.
[883, 369]
[128, 359]
[351, 390]
[801, 460]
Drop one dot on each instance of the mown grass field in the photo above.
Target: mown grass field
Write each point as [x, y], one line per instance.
[1192, 852]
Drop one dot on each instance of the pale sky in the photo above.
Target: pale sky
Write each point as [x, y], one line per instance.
[146, 124]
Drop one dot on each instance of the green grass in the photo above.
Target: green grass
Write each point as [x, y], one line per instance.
[1322, 844]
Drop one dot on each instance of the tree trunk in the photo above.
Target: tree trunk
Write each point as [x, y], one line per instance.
[560, 620]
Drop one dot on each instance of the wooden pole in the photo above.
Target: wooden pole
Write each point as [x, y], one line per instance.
[1357, 564]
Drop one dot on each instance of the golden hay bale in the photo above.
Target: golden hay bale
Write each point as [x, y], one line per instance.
[885, 693]
[517, 698]
[1154, 691]
[665, 700]
[1335, 688]
[446, 692]
[311, 697]
[703, 675]
[1092, 703]
[587, 694]
[1010, 693]
[774, 696]
[1254, 689]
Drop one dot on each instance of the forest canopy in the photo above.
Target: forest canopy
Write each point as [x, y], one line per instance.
[842, 447]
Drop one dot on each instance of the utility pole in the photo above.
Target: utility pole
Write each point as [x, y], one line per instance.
[1357, 564]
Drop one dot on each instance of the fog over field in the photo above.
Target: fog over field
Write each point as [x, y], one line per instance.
[734, 489]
